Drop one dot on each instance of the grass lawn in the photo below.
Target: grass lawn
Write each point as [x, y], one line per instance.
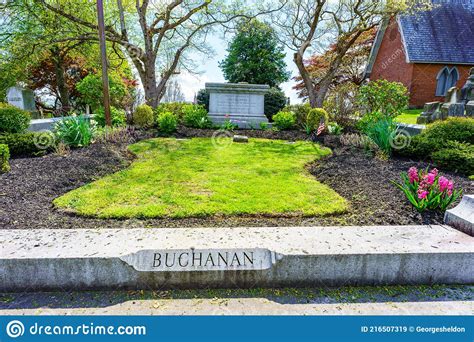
[409, 116]
[185, 178]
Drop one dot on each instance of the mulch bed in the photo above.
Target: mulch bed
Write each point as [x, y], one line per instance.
[27, 191]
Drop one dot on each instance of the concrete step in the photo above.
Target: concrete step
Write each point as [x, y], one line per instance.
[234, 257]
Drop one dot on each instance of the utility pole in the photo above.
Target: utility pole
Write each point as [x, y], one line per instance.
[103, 54]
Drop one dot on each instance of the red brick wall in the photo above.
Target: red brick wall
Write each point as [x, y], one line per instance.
[390, 63]
[424, 82]
[420, 79]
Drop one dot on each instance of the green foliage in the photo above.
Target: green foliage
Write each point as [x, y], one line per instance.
[387, 98]
[228, 125]
[314, 118]
[91, 90]
[301, 112]
[438, 135]
[255, 56]
[167, 122]
[284, 120]
[143, 116]
[118, 117]
[75, 131]
[382, 133]
[275, 100]
[456, 156]
[4, 158]
[174, 107]
[195, 116]
[13, 119]
[25, 144]
[335, 129]
[263, 125]
[193, 178]
[202, 98]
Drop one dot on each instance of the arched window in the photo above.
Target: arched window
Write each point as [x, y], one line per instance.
[447, 78]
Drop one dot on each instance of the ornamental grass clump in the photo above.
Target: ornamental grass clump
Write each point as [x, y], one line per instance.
[428, 190]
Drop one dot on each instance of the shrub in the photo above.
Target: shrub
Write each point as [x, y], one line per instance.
[174, 107]
[387, 98]
[13, 119]
[301, 112]
[335, 129]
[275, 100]
[202, 98]
[117, 115]
[75, 131]
[314, 118]
[428, 190]
[195, 116]
[143, 116]
[438, 135]
[4, 158]
[456, 156]
[341, 104]
[91, 90]
[167, 122]
[284, 120]
[28, 144]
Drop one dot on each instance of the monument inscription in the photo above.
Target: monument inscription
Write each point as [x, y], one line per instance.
[185, 260]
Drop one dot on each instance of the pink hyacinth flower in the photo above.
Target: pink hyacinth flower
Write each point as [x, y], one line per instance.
[422, 194]
[429, 178]
[413, 174]
[434, 171]
[443, 183]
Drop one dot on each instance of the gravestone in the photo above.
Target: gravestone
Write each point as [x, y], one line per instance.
[452, 106]
[240, 103]
[21, 98]
[430, 111]
[467, 93]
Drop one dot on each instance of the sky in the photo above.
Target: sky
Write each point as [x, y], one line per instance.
[210, 71]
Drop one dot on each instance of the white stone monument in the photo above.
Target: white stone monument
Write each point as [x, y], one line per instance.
[241, 103]
[21, 98]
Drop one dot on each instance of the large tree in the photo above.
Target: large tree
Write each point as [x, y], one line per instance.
[255, 56]
[312, 26]
[157, 36]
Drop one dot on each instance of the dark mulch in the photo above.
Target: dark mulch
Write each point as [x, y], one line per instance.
[186, 132]
[26, 193]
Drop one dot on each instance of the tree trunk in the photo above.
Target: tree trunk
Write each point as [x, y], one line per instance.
[61, 80]
[298, 59]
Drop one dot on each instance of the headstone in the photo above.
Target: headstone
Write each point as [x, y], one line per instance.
[452, 106]
[462, 216]
[21, 98]
[470, 109]
[243, 104]
[428, 112]
[467, 92]
[241, 139]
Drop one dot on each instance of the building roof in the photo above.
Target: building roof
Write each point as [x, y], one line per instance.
[444, 34]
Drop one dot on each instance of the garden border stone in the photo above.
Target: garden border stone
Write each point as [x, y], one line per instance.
[43, 259]
[462, 216]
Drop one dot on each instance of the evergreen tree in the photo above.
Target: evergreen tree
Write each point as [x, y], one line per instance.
[255, 56]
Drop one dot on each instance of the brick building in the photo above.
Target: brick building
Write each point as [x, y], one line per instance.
[429, 52]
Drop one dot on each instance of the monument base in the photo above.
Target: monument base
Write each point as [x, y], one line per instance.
[49, 259]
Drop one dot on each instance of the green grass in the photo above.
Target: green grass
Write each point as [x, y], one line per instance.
[186, 178]
[409, 116]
